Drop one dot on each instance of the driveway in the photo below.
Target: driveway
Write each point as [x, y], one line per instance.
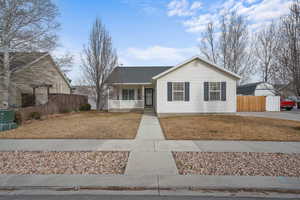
[288, 115]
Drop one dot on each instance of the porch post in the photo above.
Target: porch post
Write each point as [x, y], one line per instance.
[143, 95]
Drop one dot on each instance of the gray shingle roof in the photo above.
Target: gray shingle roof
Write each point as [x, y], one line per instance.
[136, 74]
[247, 89]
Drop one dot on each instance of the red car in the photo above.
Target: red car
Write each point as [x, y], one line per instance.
[287, 104]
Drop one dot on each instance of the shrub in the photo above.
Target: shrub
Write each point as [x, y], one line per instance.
[35, 115]
[85, 107]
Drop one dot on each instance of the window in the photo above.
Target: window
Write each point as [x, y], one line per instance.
[178, 91]
[214, 91]
[128, 94]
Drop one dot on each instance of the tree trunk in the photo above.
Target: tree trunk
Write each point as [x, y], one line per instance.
[4, 81]
[98, 99]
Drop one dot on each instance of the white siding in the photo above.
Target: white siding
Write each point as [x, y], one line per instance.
[196, 72]
[264, 89]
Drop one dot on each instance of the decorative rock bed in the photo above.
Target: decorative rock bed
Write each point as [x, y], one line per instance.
[238, 164]
[63, 162]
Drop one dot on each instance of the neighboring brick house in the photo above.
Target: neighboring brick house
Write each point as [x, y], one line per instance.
[33, 77]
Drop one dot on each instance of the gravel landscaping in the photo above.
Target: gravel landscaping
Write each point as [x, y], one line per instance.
[63, 162]
[238, 164]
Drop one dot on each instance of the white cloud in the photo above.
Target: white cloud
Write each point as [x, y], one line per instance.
[183, 8]
[258, 12]
[156, 55]
[199, 23]
[196, 5]
[267, 10]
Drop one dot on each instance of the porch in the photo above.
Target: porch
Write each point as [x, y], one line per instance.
[126, 97]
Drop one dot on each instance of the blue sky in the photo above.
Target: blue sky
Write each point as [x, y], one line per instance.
[153, 32]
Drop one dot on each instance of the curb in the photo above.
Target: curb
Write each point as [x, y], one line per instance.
[150, 182]
[192, 189]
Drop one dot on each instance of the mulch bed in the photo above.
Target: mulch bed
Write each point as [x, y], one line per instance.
[238, 164]
[19, 162]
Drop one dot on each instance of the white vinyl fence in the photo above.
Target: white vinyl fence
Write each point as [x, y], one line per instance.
[273, 103]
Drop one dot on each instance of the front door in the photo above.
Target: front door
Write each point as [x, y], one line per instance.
[148, 96]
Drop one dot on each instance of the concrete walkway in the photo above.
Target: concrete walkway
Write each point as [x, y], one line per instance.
[148, 161]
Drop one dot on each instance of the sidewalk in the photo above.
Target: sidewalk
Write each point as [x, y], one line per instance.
[150, 145]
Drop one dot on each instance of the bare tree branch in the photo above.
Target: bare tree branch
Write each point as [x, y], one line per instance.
[25, 25]
[64, 62]
[265, 51]
[288, 51]
[229, 45]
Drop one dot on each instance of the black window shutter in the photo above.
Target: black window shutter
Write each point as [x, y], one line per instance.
[206, 91]
[223, 91]
[187, 91]
[170, 91]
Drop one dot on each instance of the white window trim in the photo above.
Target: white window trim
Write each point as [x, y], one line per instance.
[220, 90]
[178, 91]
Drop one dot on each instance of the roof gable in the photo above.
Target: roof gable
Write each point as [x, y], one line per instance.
[32, 61]
[192, 59]
[250, 88]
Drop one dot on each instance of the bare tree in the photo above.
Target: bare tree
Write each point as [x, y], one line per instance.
[25, 25]
[289, 48]
[235, 45]
[266, 45]
[98, 61]
[229, 45]
[64, 62]
[208, 46]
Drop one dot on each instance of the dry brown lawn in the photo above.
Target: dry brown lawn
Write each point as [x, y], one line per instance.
[229, 127]
[83, 125]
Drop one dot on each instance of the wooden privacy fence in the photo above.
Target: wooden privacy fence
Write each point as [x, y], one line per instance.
[251, 104]
[57, 103]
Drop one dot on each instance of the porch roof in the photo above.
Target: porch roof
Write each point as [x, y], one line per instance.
[135, 74]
